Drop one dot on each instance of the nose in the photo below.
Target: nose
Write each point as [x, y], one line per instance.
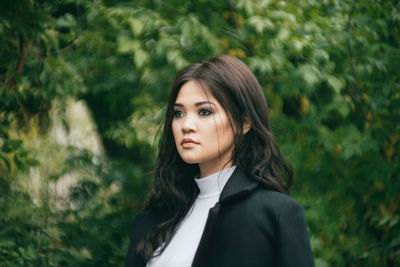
[189, 123]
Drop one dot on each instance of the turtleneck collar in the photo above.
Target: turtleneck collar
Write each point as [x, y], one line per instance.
[213, 184]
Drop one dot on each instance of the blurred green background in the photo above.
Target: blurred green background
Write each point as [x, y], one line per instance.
[83, 89]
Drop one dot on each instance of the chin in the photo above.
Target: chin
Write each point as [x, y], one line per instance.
[190, 157]
[190, 161]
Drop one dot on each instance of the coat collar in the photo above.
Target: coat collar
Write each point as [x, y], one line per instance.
[237, 185]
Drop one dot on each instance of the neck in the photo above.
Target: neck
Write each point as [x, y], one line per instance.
[207, 169]
[212, 185]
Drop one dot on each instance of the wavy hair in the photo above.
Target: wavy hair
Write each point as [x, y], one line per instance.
[173, 189]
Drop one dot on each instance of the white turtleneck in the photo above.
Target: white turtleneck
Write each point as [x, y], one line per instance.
[183, 245]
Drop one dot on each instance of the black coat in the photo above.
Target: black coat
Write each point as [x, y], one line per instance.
[250, 226]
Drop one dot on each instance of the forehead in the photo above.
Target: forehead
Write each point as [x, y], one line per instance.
[194, 92]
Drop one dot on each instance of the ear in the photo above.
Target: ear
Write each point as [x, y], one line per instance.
[246, 124]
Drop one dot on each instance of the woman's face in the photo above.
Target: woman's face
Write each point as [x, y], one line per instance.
[201, 128]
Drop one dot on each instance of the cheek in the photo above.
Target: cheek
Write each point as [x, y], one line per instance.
[175, 134]
[223, 134]
[225, 130]
[174, 128]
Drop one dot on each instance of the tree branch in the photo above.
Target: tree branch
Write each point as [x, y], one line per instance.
[21, 61]
[354, 93]
[11, 83]
[73, 43]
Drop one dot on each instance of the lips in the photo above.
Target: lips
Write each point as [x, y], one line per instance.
[188, 141]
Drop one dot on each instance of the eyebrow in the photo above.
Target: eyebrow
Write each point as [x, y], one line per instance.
[196, 104]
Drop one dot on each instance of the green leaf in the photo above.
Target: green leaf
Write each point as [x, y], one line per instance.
[335, 83]
[32, 162]
[136, 26]
[7, 243]
[261, 23]
[6, 162]
[310, 74]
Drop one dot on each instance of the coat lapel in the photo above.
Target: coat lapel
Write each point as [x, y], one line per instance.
[238, 185]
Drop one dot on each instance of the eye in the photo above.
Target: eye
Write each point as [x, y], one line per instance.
[178, 114]
[204, 112]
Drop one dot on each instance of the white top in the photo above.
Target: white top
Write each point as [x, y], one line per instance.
[183, 245]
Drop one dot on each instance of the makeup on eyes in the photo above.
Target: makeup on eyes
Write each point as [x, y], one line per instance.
[204, 112]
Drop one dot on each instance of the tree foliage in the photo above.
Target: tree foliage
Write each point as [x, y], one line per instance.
[329, 70]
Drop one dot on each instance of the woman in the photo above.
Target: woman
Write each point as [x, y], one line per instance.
[220, 185]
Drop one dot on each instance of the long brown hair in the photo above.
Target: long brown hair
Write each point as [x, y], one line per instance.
[257, 153]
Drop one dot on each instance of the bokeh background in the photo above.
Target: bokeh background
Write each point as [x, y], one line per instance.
[83, 90]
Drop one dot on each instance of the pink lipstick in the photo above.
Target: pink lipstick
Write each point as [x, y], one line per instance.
[188, 142]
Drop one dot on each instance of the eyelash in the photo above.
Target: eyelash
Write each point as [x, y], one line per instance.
[178, 113]
[209, 112]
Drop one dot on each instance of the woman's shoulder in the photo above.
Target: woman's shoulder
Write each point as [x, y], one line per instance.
[274, 201]
[255, 195]
[274, 195]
